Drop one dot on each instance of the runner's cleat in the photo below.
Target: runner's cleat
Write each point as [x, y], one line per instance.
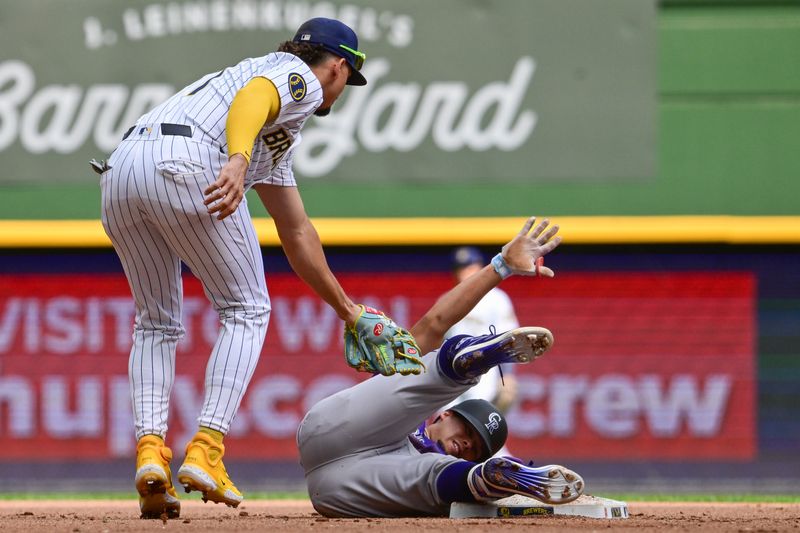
[470, 357]
[501, 477]
[203, 471]
[153, 479]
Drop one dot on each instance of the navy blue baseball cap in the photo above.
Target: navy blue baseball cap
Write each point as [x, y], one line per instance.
[465, 256]
[338, 38]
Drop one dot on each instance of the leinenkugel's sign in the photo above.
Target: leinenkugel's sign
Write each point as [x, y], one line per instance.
[507, 90]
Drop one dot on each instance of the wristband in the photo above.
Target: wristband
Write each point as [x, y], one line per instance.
[501, 267]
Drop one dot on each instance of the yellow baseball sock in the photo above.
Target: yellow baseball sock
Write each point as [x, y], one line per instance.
[213, 433]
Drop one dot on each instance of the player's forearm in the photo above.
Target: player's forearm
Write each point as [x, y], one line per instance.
[304, 251]
[452, 307]
[303, 248]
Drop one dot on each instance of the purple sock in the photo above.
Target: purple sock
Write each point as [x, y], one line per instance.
[452, 483]
[445, 357]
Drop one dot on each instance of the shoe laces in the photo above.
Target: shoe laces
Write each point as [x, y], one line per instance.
[493, 331]
[476, 338]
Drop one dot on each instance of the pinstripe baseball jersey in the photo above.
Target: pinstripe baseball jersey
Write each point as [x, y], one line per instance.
[153, 212]
[204, 106]
[155, 189]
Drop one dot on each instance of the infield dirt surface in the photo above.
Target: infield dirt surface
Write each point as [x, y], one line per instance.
[299, 516]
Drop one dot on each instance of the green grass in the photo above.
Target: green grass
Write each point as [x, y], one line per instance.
[638, 497]
[705, 497]
[276, 495]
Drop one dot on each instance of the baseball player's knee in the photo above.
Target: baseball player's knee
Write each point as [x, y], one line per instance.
[171, 331]
[256, 314]
[155, 315]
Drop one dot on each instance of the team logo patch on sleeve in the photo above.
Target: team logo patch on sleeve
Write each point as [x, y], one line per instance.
[297, 86]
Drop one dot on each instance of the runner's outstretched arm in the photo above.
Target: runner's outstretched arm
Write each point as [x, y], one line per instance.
[517, 257]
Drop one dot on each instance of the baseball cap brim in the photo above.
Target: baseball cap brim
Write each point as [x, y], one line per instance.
[356, 78]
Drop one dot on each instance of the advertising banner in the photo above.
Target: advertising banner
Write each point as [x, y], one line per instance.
[506, 90]
[645, 365]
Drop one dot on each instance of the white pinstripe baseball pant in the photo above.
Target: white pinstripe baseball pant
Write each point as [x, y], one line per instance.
[154, 214]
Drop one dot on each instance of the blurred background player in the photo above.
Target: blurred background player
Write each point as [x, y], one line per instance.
[494, 310]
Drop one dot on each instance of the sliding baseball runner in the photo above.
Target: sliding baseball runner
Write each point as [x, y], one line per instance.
[367, 451]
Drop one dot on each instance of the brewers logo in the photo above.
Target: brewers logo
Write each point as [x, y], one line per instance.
[297, 86]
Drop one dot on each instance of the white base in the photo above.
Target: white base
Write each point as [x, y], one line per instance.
[520, 506]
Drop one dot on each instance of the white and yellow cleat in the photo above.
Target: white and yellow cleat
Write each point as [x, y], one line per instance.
[157, 496]
[203, 471]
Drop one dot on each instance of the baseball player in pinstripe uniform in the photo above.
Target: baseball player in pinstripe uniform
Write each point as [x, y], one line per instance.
[364, 450]
[173, 191]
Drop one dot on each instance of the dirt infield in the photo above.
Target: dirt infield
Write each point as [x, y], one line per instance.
[298, 516]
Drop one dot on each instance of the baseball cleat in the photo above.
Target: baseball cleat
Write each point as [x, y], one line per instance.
[502, 477]
[153, 479]
[474, 356]
[203, 471]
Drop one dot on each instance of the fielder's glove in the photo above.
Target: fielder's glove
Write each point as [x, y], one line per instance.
[375, 343]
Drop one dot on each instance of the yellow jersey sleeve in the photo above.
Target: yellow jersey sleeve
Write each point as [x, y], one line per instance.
[254, 105]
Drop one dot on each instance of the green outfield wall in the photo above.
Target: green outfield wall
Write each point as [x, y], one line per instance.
[725, 137]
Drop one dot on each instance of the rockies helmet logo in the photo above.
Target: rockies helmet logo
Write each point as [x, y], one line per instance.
[494, 423]
[297, 86]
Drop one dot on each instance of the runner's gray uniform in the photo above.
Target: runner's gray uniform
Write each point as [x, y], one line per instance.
[356, 452]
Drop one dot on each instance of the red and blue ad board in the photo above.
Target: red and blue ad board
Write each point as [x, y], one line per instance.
[645, 366]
